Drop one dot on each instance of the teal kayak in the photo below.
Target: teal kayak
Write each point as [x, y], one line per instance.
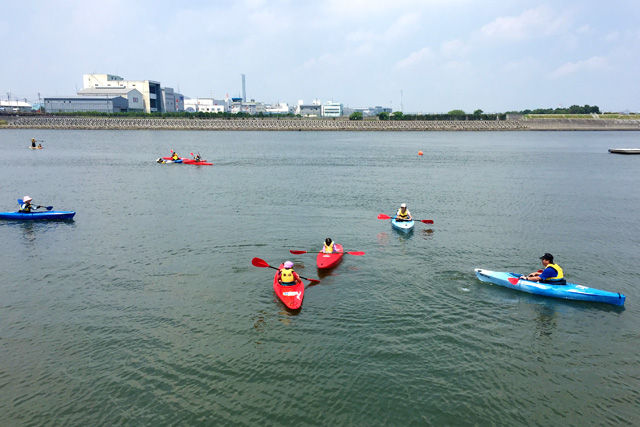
[404, 226]
[568, 291]
[35, 216]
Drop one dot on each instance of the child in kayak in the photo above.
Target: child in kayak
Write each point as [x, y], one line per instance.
[26, 207]
[175, 156]
[287, 276]
[197, 158]
[328, 246]
[403, 213]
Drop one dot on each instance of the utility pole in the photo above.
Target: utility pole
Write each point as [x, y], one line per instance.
[401, 106]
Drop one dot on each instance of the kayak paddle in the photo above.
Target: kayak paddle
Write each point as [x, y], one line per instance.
[263, 264]
[426, 221]
[356, 253]
[39, 206]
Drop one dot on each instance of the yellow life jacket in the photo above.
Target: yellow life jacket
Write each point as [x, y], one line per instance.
[404, 215]
[175, 156]
[560, 274]
[286, 275]
[328, 249]
[25, 208]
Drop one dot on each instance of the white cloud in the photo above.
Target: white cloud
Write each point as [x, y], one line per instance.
[525, 65]
[406, 24]
[530, 23]
[456, 66]
[454, 47]
[613, 36]
[593, 63]
[415, 58]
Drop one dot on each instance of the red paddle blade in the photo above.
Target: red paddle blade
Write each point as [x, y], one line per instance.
[427, 221]
[311, 280]
[513, 280]
[383, 216]
[297, 252]
[259, 262]
[356, 253]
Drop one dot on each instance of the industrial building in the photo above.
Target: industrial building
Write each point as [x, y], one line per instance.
[133, 96]
[206, 105]
[72, 104]
[154, 97]
[15, 106]
[332, 109]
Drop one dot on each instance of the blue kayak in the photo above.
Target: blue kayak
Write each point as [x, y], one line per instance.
[568, 291]
[404, 226]
[35, 216]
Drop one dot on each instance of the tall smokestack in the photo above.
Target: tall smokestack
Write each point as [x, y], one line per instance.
[244, 91]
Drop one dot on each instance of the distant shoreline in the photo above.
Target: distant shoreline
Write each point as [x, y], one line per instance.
[303, 124]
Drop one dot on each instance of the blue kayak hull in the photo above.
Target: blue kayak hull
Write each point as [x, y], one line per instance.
[35, 216]
[569, 291]
[404, 226]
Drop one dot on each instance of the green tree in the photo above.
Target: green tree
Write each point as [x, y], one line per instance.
[478, 112]
[383, 116]
[397, 115]
[356, 116]
[456, 113]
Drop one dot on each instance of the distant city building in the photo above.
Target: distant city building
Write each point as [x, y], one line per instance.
[206, 105]
[133, 96]
[332, 109]
[15, 107]
[72, 104]
[251, 107]
[173, 102]
[154, 97]
[280, 108]
[373, 111]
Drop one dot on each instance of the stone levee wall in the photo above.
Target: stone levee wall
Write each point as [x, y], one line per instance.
[271, 124]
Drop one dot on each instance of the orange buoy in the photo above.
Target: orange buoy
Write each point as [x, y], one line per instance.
[419, 153]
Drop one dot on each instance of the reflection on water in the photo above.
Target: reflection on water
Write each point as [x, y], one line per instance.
[546, 320]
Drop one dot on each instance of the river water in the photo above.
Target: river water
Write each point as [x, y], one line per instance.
[146, 310]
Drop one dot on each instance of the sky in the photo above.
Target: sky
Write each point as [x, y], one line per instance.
[428, 56]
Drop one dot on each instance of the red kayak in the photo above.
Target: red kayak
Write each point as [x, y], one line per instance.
[193, 162]
[291, 296]
[330, 260]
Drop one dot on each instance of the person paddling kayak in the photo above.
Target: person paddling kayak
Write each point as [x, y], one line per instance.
[33, 143]
[175, 156]
[552, 273]
[26, 207]
[328, 246]
[403, 213]
[288, 277]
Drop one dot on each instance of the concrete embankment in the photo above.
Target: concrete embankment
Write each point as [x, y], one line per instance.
[274, 124]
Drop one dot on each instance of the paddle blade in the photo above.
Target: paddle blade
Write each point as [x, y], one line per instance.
[383, 216]
[427, 221]
[297, 252]
[20, 201]
[513, 280]
[48, 207]
[259, 262]
[356, 253]
[311, 280]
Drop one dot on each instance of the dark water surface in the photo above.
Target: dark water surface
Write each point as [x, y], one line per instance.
[145, 309]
